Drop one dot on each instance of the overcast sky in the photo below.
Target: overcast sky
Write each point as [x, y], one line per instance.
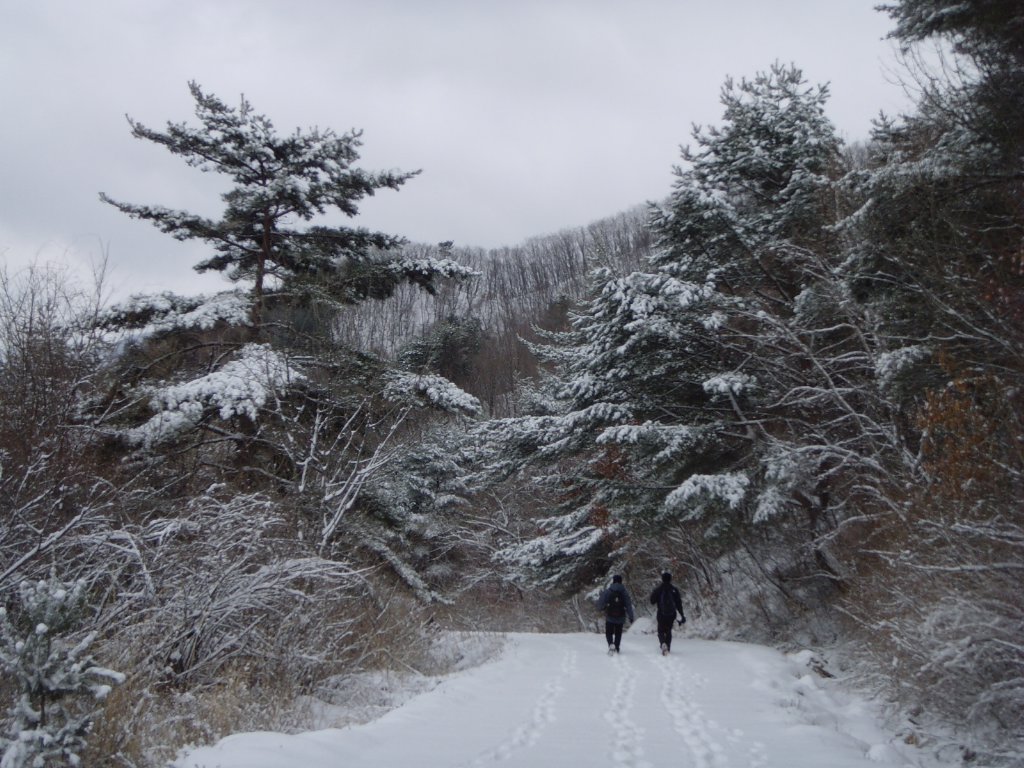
[525, 116]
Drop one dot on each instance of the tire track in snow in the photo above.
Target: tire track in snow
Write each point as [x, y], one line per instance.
[679, 686]
[627, 737]
[527, 734]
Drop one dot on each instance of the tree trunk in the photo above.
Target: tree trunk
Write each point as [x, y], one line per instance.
[261, 271]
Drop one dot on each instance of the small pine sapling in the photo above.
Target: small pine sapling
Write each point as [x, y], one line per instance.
[44, 654]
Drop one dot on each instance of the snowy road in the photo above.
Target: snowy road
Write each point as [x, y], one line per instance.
[558, 700]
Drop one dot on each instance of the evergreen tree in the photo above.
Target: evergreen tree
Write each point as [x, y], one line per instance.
[277, 181]
[989, 31]
[672, 387]
[449, 348]
[51, 671]
[209, 374]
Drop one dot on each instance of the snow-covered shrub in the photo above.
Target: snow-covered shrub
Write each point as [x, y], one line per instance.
[57, 679]
[221, 583]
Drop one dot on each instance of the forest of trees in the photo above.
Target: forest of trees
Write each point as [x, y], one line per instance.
[796, 383]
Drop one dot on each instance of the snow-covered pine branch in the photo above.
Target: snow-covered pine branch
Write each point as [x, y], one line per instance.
[241, 387]
[46, 656]
[153, 314]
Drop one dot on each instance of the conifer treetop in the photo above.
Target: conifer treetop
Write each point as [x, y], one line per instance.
[276, 182]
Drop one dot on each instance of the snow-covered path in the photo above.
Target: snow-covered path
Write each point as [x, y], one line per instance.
[560, 700]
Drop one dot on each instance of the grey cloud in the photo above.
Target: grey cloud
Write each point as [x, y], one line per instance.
[526, 117]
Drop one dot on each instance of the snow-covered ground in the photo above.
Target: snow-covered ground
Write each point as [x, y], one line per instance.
[560, 700]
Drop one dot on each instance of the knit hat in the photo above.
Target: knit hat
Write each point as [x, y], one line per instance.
[617, 578]
[666, 577]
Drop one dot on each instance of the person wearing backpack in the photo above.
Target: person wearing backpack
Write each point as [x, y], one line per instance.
[617, 606]
[667, 598]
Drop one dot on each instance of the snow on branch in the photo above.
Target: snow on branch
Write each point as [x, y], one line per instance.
[437, 391]
[729, 384]
[432, 268]
[890, 365]
[691, 497]
[44, 657]
[233, 585]
[239, 388]
[788, 471]
[562, 545]
[152, 314]
[666, 442]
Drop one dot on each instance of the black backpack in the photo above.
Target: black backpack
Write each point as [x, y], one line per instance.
[615, 607]
[666, 605]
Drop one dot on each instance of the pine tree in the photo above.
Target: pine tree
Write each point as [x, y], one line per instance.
[240, 367]
[988, 31]
[674, 394]
[743, 244]
[48, 725]
[448, 348]
[277, 181]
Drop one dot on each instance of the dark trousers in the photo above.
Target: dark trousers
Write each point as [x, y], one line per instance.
[613, 633]
[665, 632]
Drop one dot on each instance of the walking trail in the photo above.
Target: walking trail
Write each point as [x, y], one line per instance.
[559, 700]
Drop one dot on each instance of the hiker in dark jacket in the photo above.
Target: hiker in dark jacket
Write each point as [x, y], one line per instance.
[667, 598]
[617, 606]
